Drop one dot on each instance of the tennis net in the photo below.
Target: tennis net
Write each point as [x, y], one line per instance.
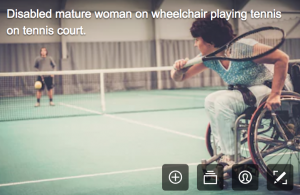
[90, 92]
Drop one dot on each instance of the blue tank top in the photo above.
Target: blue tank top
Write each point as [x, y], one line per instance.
[244, 73]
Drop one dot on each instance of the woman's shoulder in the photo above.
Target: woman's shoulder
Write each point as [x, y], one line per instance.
[249, 42]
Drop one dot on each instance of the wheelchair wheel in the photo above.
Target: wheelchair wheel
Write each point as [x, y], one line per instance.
[274, 138]
[210, 141]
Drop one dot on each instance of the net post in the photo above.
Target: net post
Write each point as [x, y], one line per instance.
[158, 62]
[102, 91]
[158, 53]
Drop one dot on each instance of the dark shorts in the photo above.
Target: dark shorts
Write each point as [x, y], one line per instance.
[48, 81]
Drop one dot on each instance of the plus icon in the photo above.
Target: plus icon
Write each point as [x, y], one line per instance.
[174, 175]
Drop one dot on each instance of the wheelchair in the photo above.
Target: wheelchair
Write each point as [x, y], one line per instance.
[264, 137]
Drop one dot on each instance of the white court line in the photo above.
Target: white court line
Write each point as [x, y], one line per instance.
[283, 153]
[80, 108]
[134, 122]
[152, 126]
[176, 97]
[109, 173]
[85, 176]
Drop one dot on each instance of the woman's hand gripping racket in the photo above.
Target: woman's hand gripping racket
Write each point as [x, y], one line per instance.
[269, 39]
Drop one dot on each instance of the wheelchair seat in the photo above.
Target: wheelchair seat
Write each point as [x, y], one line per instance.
[294, 72]
[248, 112]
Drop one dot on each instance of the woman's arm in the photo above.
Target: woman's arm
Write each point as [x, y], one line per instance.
[183, 74]
[280, 61]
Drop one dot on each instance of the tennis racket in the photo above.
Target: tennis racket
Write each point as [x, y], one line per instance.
[270, 39]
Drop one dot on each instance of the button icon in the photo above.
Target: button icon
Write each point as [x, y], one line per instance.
[210, 177]
[281, 177]
[245, 177]
[175, 177]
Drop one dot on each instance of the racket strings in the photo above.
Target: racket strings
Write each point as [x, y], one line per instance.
[269, 38]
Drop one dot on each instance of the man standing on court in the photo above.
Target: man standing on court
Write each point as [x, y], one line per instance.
[45, 63]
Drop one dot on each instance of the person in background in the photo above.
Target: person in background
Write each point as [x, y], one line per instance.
[45, 63]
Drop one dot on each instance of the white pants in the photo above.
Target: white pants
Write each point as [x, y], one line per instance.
[223, 107]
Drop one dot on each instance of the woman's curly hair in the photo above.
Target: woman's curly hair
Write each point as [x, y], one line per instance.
[217, 31]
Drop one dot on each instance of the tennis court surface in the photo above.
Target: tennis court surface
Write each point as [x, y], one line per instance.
[84, 145]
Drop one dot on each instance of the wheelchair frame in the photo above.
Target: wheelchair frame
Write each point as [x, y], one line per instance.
[250, 117]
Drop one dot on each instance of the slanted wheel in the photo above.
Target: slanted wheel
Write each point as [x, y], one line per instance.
[210, 141]
[279, 141]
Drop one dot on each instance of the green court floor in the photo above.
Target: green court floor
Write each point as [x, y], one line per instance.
[103, 154]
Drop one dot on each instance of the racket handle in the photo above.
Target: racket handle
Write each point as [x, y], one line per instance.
[191, 62]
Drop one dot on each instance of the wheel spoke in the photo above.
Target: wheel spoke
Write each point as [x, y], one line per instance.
[273, 149]
[274, 137]
[270, 141]
[298, 168]
[274, 155]
[287, 161]
[297, 156]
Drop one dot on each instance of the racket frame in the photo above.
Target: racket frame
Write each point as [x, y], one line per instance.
[212, 56]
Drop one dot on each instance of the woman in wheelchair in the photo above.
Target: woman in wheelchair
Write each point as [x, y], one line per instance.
[246, 80]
